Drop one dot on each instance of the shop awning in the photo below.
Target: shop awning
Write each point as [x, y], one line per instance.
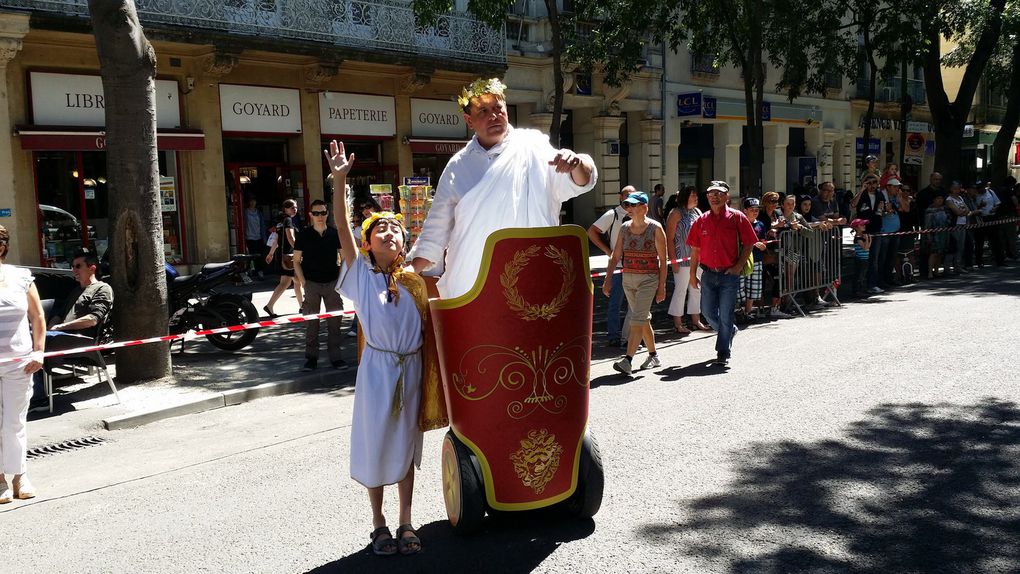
[94, 139]
[436, 146]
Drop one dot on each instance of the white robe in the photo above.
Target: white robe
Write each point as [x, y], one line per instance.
[482, 191]
[383, 446]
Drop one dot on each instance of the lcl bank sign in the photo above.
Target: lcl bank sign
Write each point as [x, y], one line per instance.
[261, 110]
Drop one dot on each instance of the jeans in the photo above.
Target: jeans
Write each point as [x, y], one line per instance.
[718, 300]
[613, 311]
[876, 258]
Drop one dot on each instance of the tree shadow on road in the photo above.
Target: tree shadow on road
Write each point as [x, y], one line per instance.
[911, 488]
[992, 281]
[509, 542]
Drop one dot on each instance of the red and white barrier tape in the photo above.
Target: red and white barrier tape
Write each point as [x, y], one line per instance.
[330, 314]
[952, 228]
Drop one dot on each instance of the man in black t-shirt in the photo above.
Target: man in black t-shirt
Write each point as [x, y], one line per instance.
[316, 266]
[925, 197]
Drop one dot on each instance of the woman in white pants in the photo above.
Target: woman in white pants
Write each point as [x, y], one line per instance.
[19, 305]
[678, 224]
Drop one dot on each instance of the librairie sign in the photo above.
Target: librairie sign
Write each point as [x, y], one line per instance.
[437, 119]
[260, 110]
[78, 100]
[357, 114]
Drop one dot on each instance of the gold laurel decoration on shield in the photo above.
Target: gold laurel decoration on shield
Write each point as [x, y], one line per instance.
[511, 274]
[538, 459]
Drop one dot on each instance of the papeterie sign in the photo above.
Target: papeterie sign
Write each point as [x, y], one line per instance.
[357, 114]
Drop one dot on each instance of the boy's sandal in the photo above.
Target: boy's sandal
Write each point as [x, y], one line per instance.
[383, 543]
[408, 544]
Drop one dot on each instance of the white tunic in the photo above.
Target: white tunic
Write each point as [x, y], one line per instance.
[482, 191]
[383, 446]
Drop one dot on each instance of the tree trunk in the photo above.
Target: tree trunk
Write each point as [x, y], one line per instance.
[1007, 131]
[949, 118]
[754, 81]
[557, 58]
[869, 50]
[903, 112]
[127, 64]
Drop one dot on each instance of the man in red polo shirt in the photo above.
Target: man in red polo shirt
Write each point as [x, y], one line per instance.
[716, 248]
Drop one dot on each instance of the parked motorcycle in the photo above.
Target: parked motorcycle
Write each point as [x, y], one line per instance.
[195, 304]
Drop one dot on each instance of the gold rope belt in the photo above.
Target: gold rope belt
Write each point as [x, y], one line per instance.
[398, 392]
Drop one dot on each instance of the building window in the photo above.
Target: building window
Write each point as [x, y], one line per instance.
[704, 65]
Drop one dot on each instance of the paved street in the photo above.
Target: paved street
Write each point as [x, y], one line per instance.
[880, 437]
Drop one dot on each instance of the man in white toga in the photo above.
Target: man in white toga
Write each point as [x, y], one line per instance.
[504, 177]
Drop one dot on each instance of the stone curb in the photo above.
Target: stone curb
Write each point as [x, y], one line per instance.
[229, 398]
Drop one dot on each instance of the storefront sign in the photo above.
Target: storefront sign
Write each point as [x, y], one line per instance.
[436, 147]
[76, 100]
[261, 110]
[357, 115]
[922, 127]
[421, 180]
[874, 146]
[688, 105]
[437, 119]
[708, 108]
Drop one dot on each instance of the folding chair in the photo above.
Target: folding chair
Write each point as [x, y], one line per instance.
[90, 359]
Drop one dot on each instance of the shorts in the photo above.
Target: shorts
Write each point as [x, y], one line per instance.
[639, 289]
[750, 286]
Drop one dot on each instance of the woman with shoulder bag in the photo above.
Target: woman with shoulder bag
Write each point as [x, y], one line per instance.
[282, 254]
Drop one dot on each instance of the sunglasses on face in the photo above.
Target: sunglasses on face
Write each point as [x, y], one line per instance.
[319, 213]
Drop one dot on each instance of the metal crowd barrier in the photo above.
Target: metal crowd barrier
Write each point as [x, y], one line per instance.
[809, 259]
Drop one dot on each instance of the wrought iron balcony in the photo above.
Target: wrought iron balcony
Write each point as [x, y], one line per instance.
[889, 91]
[361, 24]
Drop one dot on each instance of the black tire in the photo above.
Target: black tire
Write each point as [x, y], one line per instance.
[587, 499]
[463, 488]
[233, 310]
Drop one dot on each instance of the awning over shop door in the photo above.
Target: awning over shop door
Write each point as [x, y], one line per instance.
[71, 139]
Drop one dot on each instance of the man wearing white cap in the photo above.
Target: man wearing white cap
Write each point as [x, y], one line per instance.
[721, 240]
[504, 177]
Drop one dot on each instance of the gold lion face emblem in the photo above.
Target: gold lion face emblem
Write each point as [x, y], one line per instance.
[538, 459]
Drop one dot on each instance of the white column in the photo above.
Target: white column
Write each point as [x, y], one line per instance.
[776, 139]
[607, 128]
[671, 157]
[728, 136]
[649, 149]
[22, 223]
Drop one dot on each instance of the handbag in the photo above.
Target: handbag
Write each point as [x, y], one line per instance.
[287, 261]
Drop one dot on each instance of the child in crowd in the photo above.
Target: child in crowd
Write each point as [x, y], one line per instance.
[751, 285]
[862, 246]
[936, 217]
[386, 440]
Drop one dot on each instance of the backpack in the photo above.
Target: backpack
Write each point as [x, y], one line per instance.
[607, 236]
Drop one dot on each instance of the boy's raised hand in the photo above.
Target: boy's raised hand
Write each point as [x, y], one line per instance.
[339, 163]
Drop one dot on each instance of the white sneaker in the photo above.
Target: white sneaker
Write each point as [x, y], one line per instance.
[623, 365]
[6, 495]
[876, 290]
[651, 362]
[776, 313]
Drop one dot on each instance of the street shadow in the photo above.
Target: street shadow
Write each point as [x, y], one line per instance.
[981, 283]
[911, 488]
[700, 369]
[511, 542]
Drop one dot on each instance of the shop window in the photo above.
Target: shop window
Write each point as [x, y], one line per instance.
[74, 205]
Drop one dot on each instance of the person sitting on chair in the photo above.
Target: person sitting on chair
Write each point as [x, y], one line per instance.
[84, 310]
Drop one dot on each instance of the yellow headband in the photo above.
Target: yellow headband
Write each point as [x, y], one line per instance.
[370, 221]
[480, 87]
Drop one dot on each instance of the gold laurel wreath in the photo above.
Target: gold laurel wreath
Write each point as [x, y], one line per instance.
[511, 274]
[480, 87]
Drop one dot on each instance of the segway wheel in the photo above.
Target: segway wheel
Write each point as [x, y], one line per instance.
[587, 499]
[463, 489]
